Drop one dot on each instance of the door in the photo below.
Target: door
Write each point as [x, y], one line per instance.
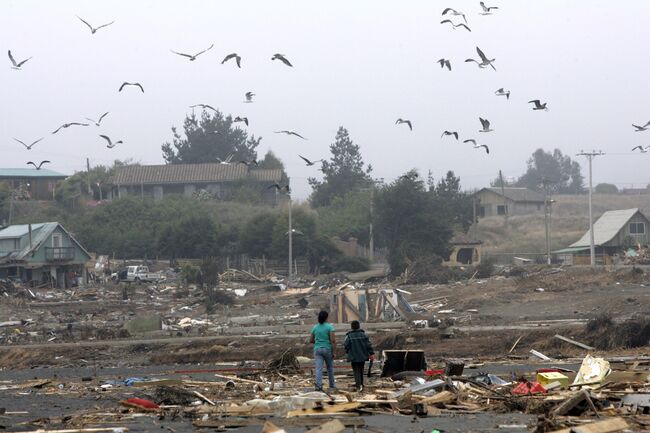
[57, 240]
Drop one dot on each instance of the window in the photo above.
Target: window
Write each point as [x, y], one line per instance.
[637, 228]
[57, 240]
[481, 211]
[502, 209]
[16, 244]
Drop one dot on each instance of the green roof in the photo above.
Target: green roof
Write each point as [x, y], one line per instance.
[571, 250]
[27, 173]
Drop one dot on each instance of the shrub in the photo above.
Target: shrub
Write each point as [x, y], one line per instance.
[352, 264]
[485, 269]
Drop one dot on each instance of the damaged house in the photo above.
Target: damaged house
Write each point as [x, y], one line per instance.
[42, 254]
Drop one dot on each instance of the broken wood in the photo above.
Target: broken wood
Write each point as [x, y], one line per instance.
[581, 396]
[607, 426]
[204, 398]
[540, 355]
[81, 430]
[239, 379]
[269, 427]
[325, 409]
[443, 397]
[333, 426]
[575, 343]
[515, 345]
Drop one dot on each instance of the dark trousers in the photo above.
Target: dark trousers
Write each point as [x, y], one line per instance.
[357, 368]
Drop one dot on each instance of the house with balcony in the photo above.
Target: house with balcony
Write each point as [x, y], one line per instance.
[42, 255]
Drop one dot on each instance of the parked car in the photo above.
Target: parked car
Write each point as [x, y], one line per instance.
[137, 274]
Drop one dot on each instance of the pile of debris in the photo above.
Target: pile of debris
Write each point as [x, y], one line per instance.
[637, 256]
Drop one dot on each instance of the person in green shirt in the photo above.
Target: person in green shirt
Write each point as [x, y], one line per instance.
[324, 341]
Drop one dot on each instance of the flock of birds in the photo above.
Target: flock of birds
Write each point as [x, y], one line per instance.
[449, 15]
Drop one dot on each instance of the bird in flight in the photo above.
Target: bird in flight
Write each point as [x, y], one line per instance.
[484, 60]
[641, 128]
[204, 106]
[485, 124]
[279, 188]
[476, 145]
[192, 57]
[226, 161]
[109, 142]
[282, 58]
[16, 65]
[290, 133]
[30, 145]
[538, 105]
[93, 30]
[409, 176]
[641, 148]
[308, 162]
[455, 13]
[454, 26]
[98, 121]
[124, 84]
[240, 119]
[294, 232]
[445, 62]
[38, 167]
[408, 122]
[249, 163]
[503, 92]
[454, 133]
[232, 56]
[67, 125]
[487, 10]
[249, 96]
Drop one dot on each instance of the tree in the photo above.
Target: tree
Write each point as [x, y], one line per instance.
[455, 205]
[343, 173]
[606, 188]
[556, 170]
[270, 161]
[347, 216]
[209, 138]
[5, 197]
[256, 237]
[411, 223]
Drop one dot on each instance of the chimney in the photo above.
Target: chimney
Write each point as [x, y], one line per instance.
[30, 236]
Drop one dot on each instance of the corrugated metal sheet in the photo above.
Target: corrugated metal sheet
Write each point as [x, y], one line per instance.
[191, 173]
[40, 233]
[607, 227]
[519, 194]
[26, 173]
[19, 230]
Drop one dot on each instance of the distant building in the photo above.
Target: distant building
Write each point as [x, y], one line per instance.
[36, 184]
[614, 232]
[42, 254]
[635, 191]
[508, 201]
[217, 180]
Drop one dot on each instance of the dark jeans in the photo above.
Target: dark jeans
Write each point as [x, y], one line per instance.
[357, 368]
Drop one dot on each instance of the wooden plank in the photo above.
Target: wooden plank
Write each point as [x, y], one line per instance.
[443, 397]
[333, 426]
[515, 345]
[540, 355]
[575, 343]
[607, 426]
[325, 409]
[310, 421]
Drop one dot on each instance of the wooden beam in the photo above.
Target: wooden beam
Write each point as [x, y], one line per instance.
[607, 426]
[575, 343]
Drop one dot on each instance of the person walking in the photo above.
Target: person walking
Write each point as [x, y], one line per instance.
[359, 349]
[324, 341]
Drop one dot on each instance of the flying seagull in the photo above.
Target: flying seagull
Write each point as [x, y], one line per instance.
[124, 84]
[484, 60]
[486, 125]
[454, 133]
[38, 167]
[204, 106]
[16, 65]
[98, 121]
[455, 13]
[290, 133]
[445, 62]
[249, 163]
[28, 146]
[538, 105]
[93, 30]
[279, 188]
[454, 26]
[232, 56]
[641, 148]
[282, 58]
[487, 9]
[226, 161]
[503, 92]
[408, 122]
[192, 57]
[249, 96]
[308, 162]
[110, 143]
[641, 128]
[409, 176]
[240, 119]
[67, 125]
[294, 231]
[476, 145]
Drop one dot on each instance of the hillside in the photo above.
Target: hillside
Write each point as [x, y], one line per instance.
[570, 220]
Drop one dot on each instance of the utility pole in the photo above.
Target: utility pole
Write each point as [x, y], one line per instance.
[505, 200]
[290, 242]
[592, 249]
[547, 226]
[371, 243]
[90, 191]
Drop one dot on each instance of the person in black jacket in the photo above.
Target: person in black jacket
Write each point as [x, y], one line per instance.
[358, 348]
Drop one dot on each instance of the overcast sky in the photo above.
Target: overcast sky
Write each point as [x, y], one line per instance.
[357, 64]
